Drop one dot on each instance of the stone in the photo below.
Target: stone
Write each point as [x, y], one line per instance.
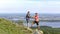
[38, 31]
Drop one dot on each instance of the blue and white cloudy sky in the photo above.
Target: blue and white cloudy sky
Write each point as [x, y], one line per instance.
[22, 6]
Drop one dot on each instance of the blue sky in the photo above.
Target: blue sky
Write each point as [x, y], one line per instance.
[22, 6]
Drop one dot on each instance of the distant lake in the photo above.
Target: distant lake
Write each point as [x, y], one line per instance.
[51, 24]
[17, 16]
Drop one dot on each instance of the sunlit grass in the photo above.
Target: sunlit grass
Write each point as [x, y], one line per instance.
[8, 27]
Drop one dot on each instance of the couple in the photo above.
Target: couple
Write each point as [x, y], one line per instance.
[36, 19]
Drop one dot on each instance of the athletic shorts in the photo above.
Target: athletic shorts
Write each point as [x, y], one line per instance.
[27, 19]
[37, 22]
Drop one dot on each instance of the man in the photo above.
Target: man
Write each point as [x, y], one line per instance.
[27, 17]
[36, 20]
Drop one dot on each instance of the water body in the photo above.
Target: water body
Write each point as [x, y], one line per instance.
[50, 24]
[41, 23]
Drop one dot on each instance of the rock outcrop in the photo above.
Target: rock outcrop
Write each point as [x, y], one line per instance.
[38, 31]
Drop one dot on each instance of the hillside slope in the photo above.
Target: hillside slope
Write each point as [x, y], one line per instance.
[8, 27]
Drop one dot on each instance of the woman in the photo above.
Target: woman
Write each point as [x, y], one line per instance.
[27, 17]
[36, 20]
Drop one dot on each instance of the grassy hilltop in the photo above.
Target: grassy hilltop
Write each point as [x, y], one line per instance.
[7, 27]
[48, 30]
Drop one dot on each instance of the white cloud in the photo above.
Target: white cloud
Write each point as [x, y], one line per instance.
[34, 6]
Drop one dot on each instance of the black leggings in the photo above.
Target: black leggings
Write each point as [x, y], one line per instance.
[37, 22]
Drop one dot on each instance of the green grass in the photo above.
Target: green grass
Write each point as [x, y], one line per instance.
[49, 30]
[8, 27]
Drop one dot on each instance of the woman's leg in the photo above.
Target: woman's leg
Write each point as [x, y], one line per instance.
[38, 25]
[27, 22]
[32, 23]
